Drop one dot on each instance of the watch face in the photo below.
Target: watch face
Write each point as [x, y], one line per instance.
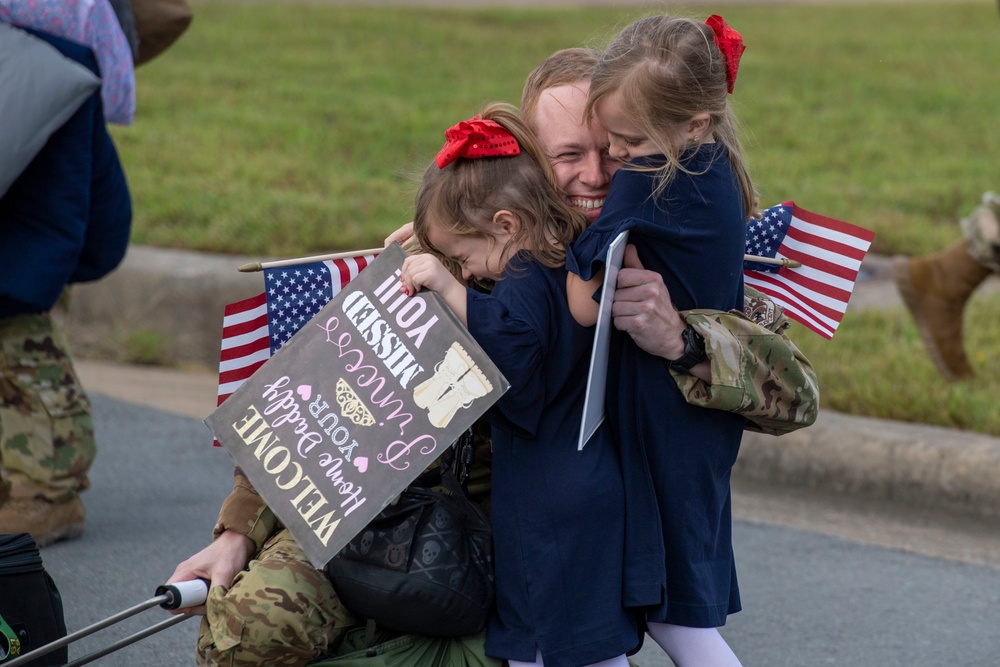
[694, 350]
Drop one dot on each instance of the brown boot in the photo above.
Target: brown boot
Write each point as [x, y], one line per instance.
[47, 521]
[936, 288]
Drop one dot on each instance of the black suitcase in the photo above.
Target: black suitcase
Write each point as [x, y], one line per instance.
[31, 610]
[55, 652]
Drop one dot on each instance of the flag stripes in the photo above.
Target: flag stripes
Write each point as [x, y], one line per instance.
[830, 251]
[254, 329]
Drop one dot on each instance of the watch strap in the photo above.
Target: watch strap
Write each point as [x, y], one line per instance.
[694, 350]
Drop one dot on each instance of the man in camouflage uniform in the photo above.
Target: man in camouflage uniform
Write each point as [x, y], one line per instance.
[268, 605]
[280, 610]
[936, 287]
[65, 219]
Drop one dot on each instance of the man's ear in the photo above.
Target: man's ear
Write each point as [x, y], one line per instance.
[505, 222]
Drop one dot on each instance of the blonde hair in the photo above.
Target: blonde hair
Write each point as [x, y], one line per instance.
[562, 68]
[463, 197]
[666, 70]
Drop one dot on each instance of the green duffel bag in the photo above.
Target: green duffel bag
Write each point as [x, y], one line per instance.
[364, 646]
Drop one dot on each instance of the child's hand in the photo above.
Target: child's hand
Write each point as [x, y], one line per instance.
[425, 270]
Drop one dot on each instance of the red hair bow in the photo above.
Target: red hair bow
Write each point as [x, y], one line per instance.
[476, 138]
[730, 43]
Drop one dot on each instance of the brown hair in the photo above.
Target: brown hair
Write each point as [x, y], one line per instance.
[667, 70]
[463, 197]
[561, 68]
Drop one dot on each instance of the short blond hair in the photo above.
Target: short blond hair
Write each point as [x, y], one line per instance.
[560, 69]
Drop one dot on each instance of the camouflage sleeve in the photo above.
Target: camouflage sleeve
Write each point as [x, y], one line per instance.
[245, 512]
[756, 369]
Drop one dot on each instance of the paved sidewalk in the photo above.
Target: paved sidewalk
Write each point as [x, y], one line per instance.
[181, 296]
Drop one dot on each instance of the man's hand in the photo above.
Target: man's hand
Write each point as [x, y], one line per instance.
[401, 235]
[218, 563]
[642, 308]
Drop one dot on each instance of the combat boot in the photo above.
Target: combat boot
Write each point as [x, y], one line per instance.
[936, 288]
[47, 521]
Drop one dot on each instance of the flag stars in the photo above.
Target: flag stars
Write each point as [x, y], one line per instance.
[301, 292]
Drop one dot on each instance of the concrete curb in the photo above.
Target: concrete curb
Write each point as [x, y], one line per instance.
[179, 297]
[912, 464]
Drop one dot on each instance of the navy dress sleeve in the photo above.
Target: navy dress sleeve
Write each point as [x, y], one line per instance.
[586, 255]
[514, 345]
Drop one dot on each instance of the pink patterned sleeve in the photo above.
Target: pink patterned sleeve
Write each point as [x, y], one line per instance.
[92, 23]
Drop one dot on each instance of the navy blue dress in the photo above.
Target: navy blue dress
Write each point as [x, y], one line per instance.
[558, 513]
[676, 458]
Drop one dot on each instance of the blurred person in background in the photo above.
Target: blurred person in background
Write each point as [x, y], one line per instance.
[936, 287]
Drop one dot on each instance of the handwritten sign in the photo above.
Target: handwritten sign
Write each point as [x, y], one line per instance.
[355, 406]
[597, 377]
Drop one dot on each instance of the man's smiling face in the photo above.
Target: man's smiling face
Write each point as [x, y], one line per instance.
[578, 153]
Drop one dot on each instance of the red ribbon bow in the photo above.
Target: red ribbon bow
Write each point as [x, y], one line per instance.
[730, 43]
[476, 138]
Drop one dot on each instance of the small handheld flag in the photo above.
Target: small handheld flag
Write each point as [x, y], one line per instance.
[830, 253]
[256, 328]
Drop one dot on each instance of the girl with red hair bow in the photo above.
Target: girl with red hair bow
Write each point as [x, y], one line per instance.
[661, 90]
[489, 205]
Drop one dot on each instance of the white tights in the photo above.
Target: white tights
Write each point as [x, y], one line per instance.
[620, 661]
[693, 647]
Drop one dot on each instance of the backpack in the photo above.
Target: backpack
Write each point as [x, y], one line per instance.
[31, 611]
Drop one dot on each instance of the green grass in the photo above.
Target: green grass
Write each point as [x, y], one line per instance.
[286, 130]
[269, 130]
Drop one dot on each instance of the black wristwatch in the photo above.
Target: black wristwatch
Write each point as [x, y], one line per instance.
[694, 350]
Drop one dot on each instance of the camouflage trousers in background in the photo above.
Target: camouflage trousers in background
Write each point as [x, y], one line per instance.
[280, 612]
[982, 231]
[46, 432]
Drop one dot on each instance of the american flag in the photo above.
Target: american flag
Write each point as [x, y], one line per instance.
[256, 328]
[830, 251]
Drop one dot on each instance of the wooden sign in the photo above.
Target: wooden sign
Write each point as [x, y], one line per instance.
[355, 406]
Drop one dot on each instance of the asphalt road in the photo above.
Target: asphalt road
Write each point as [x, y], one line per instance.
[809, 599]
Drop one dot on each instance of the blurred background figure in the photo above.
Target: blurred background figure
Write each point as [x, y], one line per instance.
[67, 68]
[65, 218]
[936, 287]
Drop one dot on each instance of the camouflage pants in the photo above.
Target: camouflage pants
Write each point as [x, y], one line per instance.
[982, 230]
[280, 612]
[46, 432]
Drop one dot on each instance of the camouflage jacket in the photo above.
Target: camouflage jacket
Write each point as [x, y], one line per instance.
[756, 369]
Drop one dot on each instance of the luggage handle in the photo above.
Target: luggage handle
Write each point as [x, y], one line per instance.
[178, 595]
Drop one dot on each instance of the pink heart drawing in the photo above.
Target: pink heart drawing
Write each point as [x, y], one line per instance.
[361, 463]
[305, 391]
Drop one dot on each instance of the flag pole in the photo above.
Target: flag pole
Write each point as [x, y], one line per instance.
[784, 262]
[260, 266]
